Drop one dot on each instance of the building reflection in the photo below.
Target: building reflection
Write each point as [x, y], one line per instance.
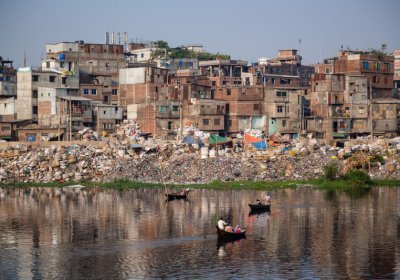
[48, 232]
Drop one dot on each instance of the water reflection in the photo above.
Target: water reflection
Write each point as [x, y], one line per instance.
[104, 234]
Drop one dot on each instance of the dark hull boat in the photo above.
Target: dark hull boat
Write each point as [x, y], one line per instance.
[260, 207]
[171, 196]
[226, 236]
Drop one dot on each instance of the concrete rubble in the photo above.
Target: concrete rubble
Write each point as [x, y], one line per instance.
[127, 155]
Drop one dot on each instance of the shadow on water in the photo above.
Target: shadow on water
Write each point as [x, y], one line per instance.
[259, 212]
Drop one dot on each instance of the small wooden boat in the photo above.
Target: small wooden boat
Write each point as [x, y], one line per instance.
[260, 207]
[178, 195]
[224, 235]
[171, 196]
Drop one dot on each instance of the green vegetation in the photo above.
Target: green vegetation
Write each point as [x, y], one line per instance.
[331, 170]
[164, 51]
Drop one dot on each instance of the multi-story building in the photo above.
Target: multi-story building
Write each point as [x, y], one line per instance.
[8, 90]
[285, 70]
[376, 66]
[285, 110]
[97, 66]
[28, 82]
[342, 108]
[223, 72]
[396, 77]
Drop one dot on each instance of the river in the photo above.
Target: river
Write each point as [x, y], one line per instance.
[50, 233]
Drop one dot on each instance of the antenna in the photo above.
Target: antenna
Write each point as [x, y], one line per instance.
[107, 38]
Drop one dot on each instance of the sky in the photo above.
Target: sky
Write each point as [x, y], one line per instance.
[246, 29]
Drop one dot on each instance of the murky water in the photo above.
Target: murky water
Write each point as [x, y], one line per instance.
[47, 233]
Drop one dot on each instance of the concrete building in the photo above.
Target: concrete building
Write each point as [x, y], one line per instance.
[285, 110]
[396, 77]
[285, 70]
[28, 82]
[223, 72]
[97, 66]
[376, 66]
[106, 117]
[243, 107]
[341, 109]
[8, 90]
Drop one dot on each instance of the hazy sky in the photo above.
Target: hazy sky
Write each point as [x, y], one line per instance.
[244, 29]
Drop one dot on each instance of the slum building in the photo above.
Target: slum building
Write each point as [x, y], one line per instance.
[376, 66]
[97, 66]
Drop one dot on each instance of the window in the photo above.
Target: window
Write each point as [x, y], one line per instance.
[377, 66]
[85, 91]
[107, 66]
[142, 55]
[361, 110]
[228, 91]
[52, 79]
[175, 108]
[388, 66]
[34, 93]
[104, 112]
[205, 122]
[279, 109]
[114, 91]
[62, 64]
[64, 80]
[94, 91]
[48, 64]
[169, 125]
[366, 64]
[116, 109]
[283, 123]
[230, 122]
[162, 109]
[327, 70]
[217, 121]
[35, 78]
[105, 98]
[281, 93]
[34, 109]
[256, 107]
[273, 80]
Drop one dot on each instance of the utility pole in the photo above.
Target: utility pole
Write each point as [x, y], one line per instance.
[70, 120]
[370, 109]
[180, 113]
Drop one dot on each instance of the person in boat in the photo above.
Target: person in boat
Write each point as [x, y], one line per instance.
[267, 199]
[222, 224]
[237, 229]
[228, 228]
[185, 191]
[258, 202]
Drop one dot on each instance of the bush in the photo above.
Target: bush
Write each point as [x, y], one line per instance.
[331, 170]
[357, 178]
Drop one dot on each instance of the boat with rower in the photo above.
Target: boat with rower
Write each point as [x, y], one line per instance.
[225, 235]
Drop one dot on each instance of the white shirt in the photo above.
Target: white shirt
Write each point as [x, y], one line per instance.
[222, 224]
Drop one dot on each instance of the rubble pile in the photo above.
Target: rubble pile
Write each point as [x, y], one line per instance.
[87, 134]
[129, 129]
[160, 160]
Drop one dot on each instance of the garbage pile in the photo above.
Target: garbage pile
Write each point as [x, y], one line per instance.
[87, 134]
[129, 129]
[159, 160]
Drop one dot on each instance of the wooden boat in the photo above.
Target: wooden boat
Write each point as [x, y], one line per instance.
[178, 195]
[224, 235]
[171, 196]
[260, 207]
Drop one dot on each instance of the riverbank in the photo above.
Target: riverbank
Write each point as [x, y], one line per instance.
[339, 184]
[157, 161]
